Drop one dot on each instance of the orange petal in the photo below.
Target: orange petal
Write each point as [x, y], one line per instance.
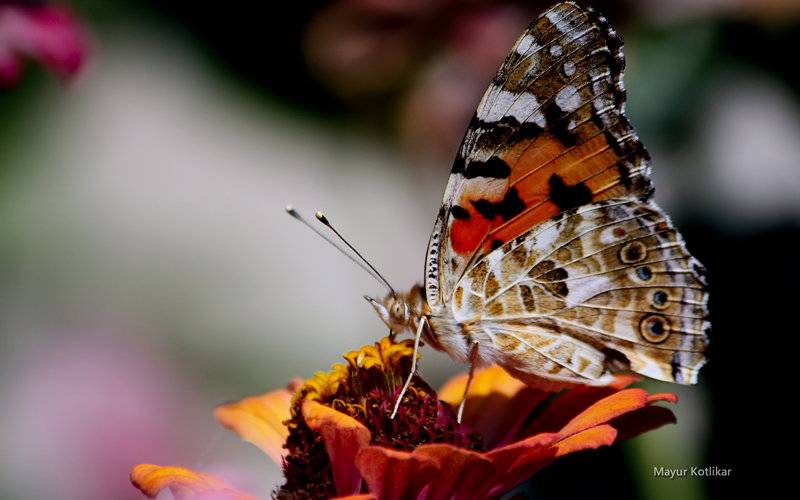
[623, 380]
[663, 396]
[594, 437]
[183, 483]
[610, 407]
[497, 403]
[344, 437]
[392, 474]
[642, 420]
[518, 461]
[572, 402]
[461, 473]
[260, 419]
[430, 472]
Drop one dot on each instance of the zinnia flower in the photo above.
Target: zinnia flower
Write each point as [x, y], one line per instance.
[47, 34]
[333, 435]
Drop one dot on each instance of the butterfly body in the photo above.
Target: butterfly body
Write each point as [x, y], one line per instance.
[548, 255]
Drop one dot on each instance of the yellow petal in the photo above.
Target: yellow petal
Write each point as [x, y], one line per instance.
[497, 403]
[260, 420]
[183, 483]
[490, 380]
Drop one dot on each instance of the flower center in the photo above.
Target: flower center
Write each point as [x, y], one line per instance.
[365, 388]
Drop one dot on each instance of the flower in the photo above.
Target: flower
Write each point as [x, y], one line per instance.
[98, 395]
[45, 33]
[333, 434]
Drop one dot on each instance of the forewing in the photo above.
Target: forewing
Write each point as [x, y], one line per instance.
[549, 134]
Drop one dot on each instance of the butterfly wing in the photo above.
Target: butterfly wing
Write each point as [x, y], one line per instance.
[549, 134]
[547, 249]
[607, 286]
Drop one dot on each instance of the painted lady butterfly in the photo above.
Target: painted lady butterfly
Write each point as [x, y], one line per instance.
[548, 256]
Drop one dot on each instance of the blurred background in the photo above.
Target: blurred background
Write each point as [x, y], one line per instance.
[148, 271]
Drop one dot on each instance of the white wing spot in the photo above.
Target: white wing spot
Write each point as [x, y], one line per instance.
[522, 106]
[568, 99]
[526, 109]
[525, 44]
[495, 103]
[569, 68]
[556, 18]
[555, 50]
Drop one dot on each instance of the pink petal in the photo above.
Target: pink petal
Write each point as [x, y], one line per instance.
[48, 34]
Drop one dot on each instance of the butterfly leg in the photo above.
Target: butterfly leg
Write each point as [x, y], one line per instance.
[473, 359]
[413, 367]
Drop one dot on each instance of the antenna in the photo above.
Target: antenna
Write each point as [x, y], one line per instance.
[321, 217]
[369, 269]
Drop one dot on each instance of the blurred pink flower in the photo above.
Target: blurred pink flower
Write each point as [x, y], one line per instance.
[87, 403]
[422, 63]
[47, 34]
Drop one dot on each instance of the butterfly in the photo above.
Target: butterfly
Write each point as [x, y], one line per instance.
[548, 255]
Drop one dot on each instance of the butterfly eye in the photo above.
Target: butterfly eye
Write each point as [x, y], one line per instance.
[654, 329]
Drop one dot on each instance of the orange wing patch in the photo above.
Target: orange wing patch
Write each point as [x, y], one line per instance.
[551, 178]
[547, 178]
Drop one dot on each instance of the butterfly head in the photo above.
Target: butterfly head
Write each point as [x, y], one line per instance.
[400, 311]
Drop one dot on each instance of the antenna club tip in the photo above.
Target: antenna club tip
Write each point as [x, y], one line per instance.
[289, 209]
[321, 217]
